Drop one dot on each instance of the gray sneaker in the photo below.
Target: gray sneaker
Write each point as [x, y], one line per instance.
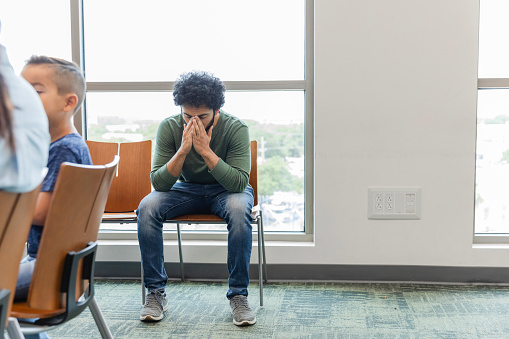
[242, 314]
[155, 306]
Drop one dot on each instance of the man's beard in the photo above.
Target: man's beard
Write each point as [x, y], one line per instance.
[210, 124]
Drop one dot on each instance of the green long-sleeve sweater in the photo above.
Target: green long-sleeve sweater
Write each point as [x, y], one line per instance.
[229, 141]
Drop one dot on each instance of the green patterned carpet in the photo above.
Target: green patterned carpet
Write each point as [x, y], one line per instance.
[305, 310]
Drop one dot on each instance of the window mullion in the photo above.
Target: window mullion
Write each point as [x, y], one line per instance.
[485, 83]
[157, 86]
[76, 7]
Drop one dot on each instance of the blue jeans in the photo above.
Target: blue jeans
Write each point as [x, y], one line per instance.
[187, 198]
[26, 270]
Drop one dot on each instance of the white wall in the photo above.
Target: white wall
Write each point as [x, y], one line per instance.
[395, 105]
[395, 88]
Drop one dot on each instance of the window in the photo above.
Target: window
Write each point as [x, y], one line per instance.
[156, 40]
[492, 158]
[132, 52]
[27, 32]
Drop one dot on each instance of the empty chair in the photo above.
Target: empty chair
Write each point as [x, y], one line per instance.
[132, 182]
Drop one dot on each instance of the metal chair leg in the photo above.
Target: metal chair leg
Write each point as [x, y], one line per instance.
[179, 238]
[13, 329]
[142, 285]
[265, 276]
[99, 319]
[260, 267]
[4, 306]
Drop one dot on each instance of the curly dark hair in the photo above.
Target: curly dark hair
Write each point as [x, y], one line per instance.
[198, 89]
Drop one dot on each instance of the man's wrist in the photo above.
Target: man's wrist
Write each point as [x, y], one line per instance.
[174, 165]
[181, 153]
[208, 154]
[210, 158]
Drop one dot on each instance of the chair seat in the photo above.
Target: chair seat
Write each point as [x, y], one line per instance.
[114, 216]
[22, 310]
[200, 218]
[197, 218]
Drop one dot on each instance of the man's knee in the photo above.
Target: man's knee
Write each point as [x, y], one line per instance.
[238, 210]
[238, 204]
[150, 217]
[149, 206]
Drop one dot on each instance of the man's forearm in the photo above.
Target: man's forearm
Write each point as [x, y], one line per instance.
[231, 178]
[174, 166]
[211, 159]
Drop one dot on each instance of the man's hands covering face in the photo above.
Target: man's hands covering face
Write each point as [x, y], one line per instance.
[196, 135]
[187, 137]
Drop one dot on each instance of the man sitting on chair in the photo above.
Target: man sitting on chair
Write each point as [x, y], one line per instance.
[201, 166]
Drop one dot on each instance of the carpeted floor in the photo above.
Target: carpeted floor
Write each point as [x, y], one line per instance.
[305, 310]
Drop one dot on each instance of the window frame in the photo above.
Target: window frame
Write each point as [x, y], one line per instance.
[490, 238]
[306, 85]
[487, 84]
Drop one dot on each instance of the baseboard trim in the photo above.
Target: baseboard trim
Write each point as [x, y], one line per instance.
[277, 272]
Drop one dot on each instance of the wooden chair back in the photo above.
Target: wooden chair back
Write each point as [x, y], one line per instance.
[132, 182]
[16, 213]
[73, 221]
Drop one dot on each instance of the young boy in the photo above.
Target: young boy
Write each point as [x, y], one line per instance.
[61, 87]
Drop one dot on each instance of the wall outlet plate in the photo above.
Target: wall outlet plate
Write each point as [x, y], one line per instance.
[394, 203]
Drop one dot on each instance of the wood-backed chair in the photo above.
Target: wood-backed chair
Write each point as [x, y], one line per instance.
[256, 215]
[63, 279]
[132, 182]
[16, 214]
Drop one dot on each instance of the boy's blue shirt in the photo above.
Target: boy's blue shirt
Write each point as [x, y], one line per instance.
[69, 148]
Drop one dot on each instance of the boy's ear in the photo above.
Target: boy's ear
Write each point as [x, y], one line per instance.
[71, 102]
